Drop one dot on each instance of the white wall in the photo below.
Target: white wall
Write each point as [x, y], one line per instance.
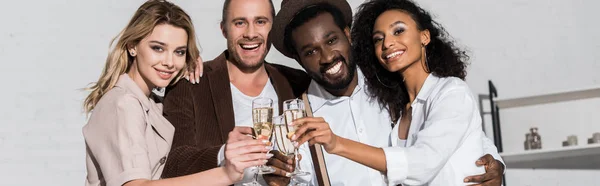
[51, 49]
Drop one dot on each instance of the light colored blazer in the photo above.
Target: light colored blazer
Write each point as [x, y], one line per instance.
[126, 137]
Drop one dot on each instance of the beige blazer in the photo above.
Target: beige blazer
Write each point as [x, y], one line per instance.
[126, 137]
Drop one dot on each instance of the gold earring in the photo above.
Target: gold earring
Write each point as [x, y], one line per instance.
[424, 57]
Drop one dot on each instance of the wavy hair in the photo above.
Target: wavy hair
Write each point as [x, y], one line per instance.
[444, 58]
[118, 62]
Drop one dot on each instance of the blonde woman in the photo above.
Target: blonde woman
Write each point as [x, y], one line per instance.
[127, 138]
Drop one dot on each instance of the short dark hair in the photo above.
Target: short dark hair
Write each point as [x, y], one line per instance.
[308, 13]
[226, 9]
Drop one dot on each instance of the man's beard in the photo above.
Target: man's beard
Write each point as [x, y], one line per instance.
[238, 61]
[339, 83]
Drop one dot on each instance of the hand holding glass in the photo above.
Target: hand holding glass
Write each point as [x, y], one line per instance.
[262, 115]
[294, 109]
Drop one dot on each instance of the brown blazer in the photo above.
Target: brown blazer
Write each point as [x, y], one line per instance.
[203, 115]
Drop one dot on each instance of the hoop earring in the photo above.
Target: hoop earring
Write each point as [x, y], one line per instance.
[384, 83]
[426, 67]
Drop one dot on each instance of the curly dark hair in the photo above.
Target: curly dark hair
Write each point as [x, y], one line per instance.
[444, 59]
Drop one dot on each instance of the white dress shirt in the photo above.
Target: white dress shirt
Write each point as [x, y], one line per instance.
[353, 117]
[361, 119]
[444, 139]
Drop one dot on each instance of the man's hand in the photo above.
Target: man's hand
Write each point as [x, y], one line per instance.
[283, 165]
[242, 154]
[239, 134]
[193, 75]
[315, 130]
[494, 170]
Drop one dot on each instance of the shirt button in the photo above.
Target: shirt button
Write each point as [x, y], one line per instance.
[360, 130]
[163, 160]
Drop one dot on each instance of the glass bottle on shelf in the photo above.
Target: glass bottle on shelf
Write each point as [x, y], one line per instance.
[536, 139]
[528, 141]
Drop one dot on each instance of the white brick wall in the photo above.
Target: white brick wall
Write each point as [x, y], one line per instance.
[49, 50]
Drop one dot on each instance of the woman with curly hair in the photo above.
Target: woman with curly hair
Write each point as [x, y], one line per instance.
[417, 73]
[414, 69]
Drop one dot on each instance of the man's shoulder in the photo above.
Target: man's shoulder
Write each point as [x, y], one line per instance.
[289, 72]
[298, 79]
[182, 87]
[282, 67]
[215, 77]
[279, 66]
[214, 64]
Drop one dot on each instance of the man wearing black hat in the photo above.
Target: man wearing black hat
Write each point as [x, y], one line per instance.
[316, 33]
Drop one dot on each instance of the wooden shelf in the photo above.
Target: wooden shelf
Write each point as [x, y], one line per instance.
[576, 157]
[549, 98]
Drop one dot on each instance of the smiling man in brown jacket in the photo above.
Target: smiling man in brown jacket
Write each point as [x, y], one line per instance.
[220, 102]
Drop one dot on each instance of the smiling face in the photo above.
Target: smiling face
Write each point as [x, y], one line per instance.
[398, 41]
[323, 49]
[246, 29]
[159, 57]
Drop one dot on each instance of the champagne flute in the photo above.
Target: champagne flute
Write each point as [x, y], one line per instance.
[282, 136]
[262, 116]
[283, 142]
[294, 109]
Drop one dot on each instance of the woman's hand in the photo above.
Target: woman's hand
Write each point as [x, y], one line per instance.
[315, 130]
[242, 154]
[193, 75]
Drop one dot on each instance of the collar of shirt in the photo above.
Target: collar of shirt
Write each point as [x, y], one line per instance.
[318, 96]
[128, 84]
[426, 89]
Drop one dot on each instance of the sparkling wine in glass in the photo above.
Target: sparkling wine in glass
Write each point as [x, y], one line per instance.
[262, 116]
[282, 136]
[294, 109]
[283, 143]
[262, 122]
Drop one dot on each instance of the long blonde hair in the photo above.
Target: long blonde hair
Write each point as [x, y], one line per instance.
[118, 62]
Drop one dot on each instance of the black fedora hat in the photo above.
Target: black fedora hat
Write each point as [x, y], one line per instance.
[290, 8]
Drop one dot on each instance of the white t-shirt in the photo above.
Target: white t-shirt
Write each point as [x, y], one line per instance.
[242, 110]
[242, 103]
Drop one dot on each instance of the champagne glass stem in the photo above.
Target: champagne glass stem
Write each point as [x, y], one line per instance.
[256, 177]
[297, 169]
[254, 182]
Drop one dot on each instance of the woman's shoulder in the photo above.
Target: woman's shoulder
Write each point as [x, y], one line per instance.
[117, 102]
[451, 85]
[117, 97]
